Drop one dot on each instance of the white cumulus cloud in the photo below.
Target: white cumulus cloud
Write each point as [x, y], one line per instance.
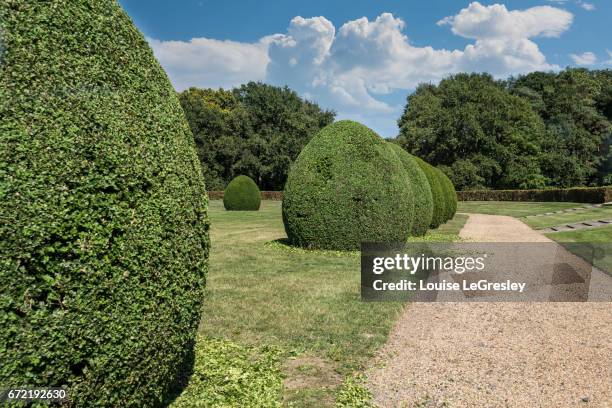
[359, 67]
[586, 58]
[209, 63]
[496, 21]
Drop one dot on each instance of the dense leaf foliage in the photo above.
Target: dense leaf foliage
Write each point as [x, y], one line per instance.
[537, 130]
[439, 214]
[449, 193]
[104, 231]
[470, 123]
[421, 191]
[347, 186]
[242, 194]
[576, 106]
[256, 129]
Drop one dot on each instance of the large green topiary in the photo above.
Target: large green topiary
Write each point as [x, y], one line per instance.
[104, 230]
[423, 200]
[449, 193]
[346, 187]
[242, 194]
[437, 191]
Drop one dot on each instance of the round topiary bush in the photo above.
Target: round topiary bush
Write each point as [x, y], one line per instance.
[423, 200]
[345, 187]
[450, 194]
[437, 192]
[104, 233]
[242, 194]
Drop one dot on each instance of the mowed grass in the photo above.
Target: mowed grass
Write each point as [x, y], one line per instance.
[603, 213]
[592, 241]
[305, 302]
[596, 239]
[512, 208]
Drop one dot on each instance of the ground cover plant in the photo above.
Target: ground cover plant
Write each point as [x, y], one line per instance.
[346, 187]
[242, 194]
[104, 230]
[227, 374]
[325, 331]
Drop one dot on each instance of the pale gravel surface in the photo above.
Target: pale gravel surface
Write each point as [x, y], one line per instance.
[497, 354]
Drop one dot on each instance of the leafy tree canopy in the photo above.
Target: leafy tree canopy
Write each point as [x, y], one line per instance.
[256, 130]
[576, 106]
[471, 124]
[537, 130]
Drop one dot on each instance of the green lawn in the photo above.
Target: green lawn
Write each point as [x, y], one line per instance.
[512, 208]
[306, 303]
[598, 239]
[604, 213]
[600, 235]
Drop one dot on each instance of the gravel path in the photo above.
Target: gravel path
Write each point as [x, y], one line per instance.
[497, 354]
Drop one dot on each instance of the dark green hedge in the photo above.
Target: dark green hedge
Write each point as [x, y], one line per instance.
[265, 195]
[345, 187]
[594, 195]
[242, 194]
[104, 230]
[449, 193]
[423, 200]
[437, 191]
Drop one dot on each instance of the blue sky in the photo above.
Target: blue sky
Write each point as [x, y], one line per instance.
[363, 57]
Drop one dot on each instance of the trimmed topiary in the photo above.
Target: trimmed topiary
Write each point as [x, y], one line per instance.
[423, 200]
[242, 194]
[450, 194]
[345, 187]
[437, 192]
[104, 233]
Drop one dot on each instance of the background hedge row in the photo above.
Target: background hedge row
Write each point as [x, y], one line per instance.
[265, 195]
[594, 195]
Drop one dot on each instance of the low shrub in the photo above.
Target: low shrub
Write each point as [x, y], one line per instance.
[242, 194]
[593, 195]
[423, 200]
[345, 187]
[437, 192]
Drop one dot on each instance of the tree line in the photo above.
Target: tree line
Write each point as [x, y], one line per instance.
[533, 131]
[256, 130]
[544, 129]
